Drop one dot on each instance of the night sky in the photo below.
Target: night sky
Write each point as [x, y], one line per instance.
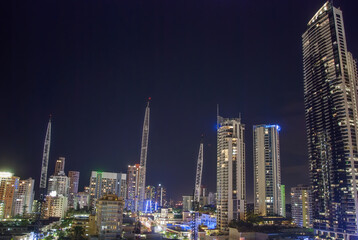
[93, 64]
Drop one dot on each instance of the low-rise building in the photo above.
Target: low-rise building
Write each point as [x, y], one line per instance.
[301, 206]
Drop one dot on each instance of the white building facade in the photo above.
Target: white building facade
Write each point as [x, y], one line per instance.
[231, 179]
[267, 171]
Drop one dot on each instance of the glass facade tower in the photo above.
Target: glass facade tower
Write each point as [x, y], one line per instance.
[330, 95]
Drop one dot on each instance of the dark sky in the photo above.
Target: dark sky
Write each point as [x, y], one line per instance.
[93, 64]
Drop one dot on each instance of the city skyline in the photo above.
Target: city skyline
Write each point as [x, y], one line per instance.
[102, 126]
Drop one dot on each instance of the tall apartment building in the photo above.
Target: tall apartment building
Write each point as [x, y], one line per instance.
[24, 197]
[109, 216]
[54, 206]
[132, 187]
[330, 96]
[231, 179]
[58, 184]
[301, 206]
[267, 171]
[74, 178]
[59, 166]
[161, 196]
[102, 183]
[8, 189]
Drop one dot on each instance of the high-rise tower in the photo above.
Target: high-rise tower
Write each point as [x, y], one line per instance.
[267, 171]
[330, 95]
[143, 159]
[231, 179]
[45, 157]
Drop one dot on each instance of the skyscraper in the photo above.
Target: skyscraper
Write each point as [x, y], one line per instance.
[267, 170]
[231, 179]
[330, 95]
[59, 166]
[132, 187]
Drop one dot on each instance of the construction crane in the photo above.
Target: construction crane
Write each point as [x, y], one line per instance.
[143, 161]
[196, 199]
[45, 157]
[43, 180]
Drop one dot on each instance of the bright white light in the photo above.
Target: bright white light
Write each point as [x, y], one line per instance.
[6, 174]
[53, 193]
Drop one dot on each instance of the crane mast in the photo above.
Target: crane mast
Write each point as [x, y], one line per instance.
[143, 161]
[198, 177]
[45, 157]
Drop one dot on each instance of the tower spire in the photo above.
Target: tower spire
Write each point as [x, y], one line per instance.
[45, 157]
[143, 159]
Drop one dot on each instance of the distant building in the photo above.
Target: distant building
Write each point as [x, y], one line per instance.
[283, 201]
[109, 215]
[231, 178]
[288, 211]
[187, 203]
[150, 193]
[82, 200]
[24, 197]
[102, 183]
[59, 184]
[267, 171]
[8, 189]
[203, 196]
[59, 166]
[74, 178]
[54, 206]
[211, 198]
[301, 206]
[161, 196]
[132, 187]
